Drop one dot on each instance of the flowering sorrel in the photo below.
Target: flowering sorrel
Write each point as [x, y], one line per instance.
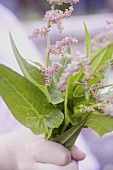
[61, 98]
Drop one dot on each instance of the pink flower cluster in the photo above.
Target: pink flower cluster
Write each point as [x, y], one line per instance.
[49, 72]
[108, 110]
[59, 47]
[73, 67]
[39, 32]
[60, 2]
[104, 37]
[55, 16]
[109, 21]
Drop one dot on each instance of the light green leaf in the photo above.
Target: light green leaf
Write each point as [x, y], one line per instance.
[35, 62]
[69, 95]
[97, 53]
[31, 72]
[100, 123]
[56, 95]
[88, 42]
[79, 91]
[101, 58]
[64, 61]
[87, 95]
[72, 83]
[28, 103]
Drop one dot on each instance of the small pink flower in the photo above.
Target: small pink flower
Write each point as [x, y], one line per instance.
[59, 47]
[60, 2]
[39, 32]
[72, 68]
[55, 16]
[49, 72]
[109, 21]
[103, 38]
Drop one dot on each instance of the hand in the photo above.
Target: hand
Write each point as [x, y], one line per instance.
[27, 151]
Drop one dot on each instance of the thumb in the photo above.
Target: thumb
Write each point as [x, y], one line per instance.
[77, 154]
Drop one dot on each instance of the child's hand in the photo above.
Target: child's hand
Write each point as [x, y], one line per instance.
[26, 151]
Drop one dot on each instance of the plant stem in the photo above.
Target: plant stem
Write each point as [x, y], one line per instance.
[98, 105]
[65, 127]
[48, 40]
[48, 43]
[53, 7]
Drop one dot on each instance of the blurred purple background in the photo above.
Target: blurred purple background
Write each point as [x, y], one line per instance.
[23, 9]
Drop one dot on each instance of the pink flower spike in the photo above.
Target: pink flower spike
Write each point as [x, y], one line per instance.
[59, 47]
[55, 16]
[39, 32]
[49, 72]
[60, 2]
[109, 21]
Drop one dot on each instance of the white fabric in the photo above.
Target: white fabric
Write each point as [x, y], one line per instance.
[90, 162]
[8, 22]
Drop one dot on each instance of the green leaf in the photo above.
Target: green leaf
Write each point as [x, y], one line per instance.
[100, 123]
[101, 58]
[87, 95]
[28, 103]
[31, 72]
[97, 53]
[56, 95]
[88, 42]
[66, 111]
[69, 95]
[79, 91]
[69, 137]
[72, 83]
[64, 61]
[81, 100]
[36, 63]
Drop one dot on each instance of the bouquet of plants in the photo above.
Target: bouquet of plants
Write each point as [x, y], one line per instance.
[60, 98]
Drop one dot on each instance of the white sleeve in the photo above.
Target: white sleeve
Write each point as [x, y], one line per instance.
[90, 162]
[8, 22]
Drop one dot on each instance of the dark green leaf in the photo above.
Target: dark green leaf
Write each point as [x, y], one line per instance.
[69, 137]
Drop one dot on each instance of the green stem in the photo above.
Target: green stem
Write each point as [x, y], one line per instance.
[91, 106]
[48, 40]
[48, 43]
[108, 85]
[65, 127]
[98, 105]
[53, 7]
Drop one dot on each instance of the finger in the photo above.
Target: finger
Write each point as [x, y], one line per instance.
[53, 153]
[71, 166]
[77, 154]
